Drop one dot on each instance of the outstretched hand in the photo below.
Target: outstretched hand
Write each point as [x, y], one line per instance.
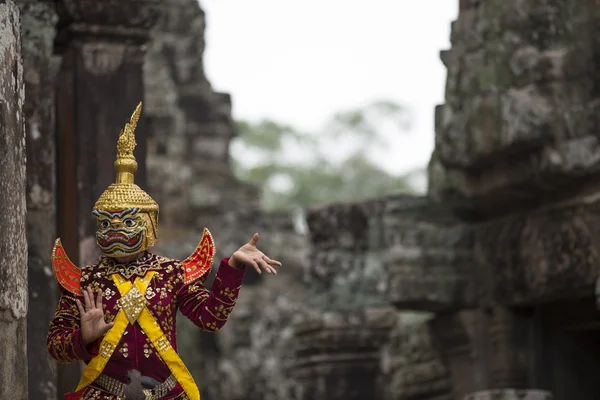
[249, 254]
[93, 325]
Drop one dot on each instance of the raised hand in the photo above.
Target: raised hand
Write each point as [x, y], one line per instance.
[93, 325]
[249, 254]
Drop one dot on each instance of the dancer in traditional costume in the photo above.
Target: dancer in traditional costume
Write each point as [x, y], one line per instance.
[118, 315]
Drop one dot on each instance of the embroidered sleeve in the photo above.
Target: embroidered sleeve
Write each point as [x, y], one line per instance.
[210, 310]
[64, 341]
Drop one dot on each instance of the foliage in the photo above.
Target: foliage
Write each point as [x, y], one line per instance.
[296, 168]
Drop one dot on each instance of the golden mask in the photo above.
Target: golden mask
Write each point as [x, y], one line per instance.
[126, 216]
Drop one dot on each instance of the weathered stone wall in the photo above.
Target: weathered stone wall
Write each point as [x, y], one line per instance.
[517, 156]
[13, 241]
[339, 345]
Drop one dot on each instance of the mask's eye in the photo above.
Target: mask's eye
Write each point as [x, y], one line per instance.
[104, 224]
[129, 222]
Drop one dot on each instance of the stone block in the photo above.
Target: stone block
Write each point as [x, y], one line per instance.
[343, 226]
[337, 354]
[427, 261]
[520, 122]
[541, 256]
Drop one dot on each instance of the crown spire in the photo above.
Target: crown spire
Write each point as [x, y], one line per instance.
[125, 164]
[124, 193]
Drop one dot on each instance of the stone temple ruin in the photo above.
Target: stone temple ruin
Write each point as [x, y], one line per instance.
[482, 290]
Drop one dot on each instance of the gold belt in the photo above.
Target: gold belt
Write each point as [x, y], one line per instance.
[115, 387]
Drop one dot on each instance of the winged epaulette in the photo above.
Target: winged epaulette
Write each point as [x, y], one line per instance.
[66, 273]
[199, 264]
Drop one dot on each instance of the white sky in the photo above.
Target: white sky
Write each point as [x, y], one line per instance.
[298, 62]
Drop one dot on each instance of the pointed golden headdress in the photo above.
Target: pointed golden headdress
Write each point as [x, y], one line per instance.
[124, 194]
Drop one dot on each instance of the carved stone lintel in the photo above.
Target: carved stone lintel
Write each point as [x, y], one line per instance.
[102, 58]
[109, 20]
[510, 394]
[133, 13]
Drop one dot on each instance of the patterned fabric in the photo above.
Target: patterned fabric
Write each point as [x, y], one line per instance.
[166, 294]
[116, 387]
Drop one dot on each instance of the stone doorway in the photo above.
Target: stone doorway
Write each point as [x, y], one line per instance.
[568, 348]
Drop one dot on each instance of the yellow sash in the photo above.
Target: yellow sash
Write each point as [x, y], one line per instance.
[110, 341]
[134, 309]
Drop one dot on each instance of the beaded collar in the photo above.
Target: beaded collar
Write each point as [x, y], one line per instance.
[139, 267]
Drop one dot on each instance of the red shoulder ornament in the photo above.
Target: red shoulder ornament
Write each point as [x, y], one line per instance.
[199, 264]
[67, 274]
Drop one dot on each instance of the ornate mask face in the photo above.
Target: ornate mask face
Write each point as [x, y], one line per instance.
[125, 233]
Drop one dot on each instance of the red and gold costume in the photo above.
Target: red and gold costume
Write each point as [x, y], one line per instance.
[140, 297]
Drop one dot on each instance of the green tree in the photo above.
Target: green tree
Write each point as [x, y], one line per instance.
[295, 168]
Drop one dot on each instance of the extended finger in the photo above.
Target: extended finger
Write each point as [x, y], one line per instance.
[255, 266]
[80, 307]
[92, 298]
[86, 299]
[267, 267]
[272, 262]
[254, 239]
[99, 299]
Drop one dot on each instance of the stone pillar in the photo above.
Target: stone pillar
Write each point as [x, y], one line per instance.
[459, 337]
[338, 353]
[38, 19]
[416, 368]
[13, 210]
[511, 348]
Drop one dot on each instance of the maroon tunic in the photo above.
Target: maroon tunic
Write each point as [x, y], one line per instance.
[166, 294]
